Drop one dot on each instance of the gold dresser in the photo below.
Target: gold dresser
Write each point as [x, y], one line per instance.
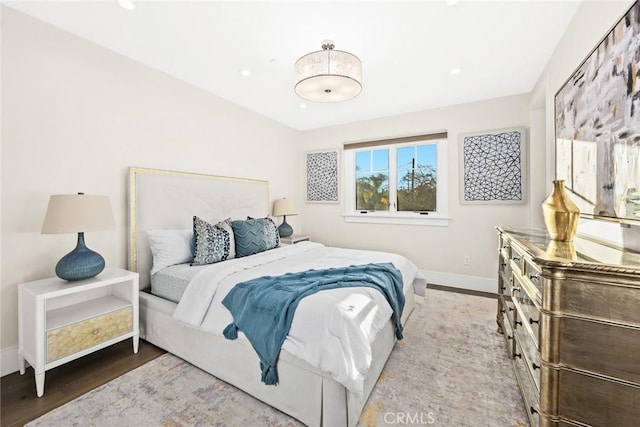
[570, 315]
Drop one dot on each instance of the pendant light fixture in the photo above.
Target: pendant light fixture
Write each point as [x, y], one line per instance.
[328, 75]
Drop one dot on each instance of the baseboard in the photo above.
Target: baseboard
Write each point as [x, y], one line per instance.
[474, 283]
[8, 360]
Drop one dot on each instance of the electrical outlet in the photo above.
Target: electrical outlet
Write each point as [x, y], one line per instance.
[467, 260]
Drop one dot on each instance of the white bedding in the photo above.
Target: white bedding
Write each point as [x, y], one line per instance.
[332, 329]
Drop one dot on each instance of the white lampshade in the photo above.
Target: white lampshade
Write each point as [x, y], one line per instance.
[77, 213]
[328, 75]
[282, 207]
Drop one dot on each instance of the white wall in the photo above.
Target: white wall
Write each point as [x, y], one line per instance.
[437, 250]
[592, 22]
[75, 116]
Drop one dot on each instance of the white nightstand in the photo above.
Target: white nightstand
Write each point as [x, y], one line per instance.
[59, 321]
[294, 238]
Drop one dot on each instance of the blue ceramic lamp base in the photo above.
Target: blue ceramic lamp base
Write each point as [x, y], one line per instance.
[81, 263]
[285, 229]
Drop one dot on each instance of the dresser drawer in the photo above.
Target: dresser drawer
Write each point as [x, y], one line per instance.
[590, 298]
[530, 393]
[529, 354]
[507, 331]
[517, 260]
[505, 278]
[528, 313]
[596, 401]
[504, 246]
[531, 274]
[604, 348]
[70, 339]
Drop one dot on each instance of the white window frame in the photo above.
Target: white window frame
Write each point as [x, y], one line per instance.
[439, 218]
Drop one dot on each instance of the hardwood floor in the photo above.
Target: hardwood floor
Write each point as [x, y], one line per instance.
[18, 401]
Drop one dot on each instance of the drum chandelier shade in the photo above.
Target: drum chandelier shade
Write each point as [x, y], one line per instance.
[328, 75]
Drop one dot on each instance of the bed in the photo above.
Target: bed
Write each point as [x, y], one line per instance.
[315, 393]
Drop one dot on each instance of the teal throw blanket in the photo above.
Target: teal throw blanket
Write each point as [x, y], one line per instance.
[263, 308]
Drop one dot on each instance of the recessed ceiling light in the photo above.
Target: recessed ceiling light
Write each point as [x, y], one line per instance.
[126, 4]
[455, 71]
[245, 72]
[303, 106]
[451, 2]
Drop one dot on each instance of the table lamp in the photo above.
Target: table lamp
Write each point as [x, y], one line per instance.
[284, 207]
[78, 213]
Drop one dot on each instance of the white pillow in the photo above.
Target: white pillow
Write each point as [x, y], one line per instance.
[170, 247]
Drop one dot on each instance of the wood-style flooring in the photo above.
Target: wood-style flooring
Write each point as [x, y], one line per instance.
[18, 401]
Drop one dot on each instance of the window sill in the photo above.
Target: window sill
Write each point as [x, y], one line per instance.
[400, 219]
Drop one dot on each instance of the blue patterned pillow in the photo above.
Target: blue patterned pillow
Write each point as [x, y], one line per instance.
[255, 235]
[212, 243]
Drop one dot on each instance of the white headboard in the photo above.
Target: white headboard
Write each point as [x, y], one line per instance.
[161, 199]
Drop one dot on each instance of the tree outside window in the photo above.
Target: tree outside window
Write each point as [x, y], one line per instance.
[413, 183]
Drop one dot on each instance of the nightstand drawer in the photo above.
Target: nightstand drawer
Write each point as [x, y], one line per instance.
[70, 339]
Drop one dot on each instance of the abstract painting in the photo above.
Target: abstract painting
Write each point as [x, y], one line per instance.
[597, 123]
[323, 176]
[493, 166]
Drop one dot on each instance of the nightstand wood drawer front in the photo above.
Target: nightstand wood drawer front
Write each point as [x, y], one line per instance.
[70, 339]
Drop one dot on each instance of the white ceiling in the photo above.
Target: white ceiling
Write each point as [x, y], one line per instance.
[407, 48]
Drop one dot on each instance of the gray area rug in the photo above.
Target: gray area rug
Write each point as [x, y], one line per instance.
[450, 370]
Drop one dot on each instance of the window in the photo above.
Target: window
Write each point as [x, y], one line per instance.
[397, 181]
[372, 180]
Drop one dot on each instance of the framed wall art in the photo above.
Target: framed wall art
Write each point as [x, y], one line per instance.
[323, 176]
[597, 125]
[493, 166]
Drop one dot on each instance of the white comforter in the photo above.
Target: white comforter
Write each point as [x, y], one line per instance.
[332, 329]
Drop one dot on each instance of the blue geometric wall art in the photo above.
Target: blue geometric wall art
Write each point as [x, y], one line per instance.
[493, 166]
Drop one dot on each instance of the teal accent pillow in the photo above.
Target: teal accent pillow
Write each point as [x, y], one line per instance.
[212, 243]
[255, 235]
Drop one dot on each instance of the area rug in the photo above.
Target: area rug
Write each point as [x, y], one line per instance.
[450, 370]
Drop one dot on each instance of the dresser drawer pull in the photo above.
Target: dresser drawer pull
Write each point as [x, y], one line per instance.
[518, 355]
[531, 321]
[510, 308]
[516, 258]
[534, 276]
[518, 322]
[96, 331]
[534, 366]
[503, 311]
[533, 410]
[502, 288]
[504, 264]
[509, 337]
[516, 290]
